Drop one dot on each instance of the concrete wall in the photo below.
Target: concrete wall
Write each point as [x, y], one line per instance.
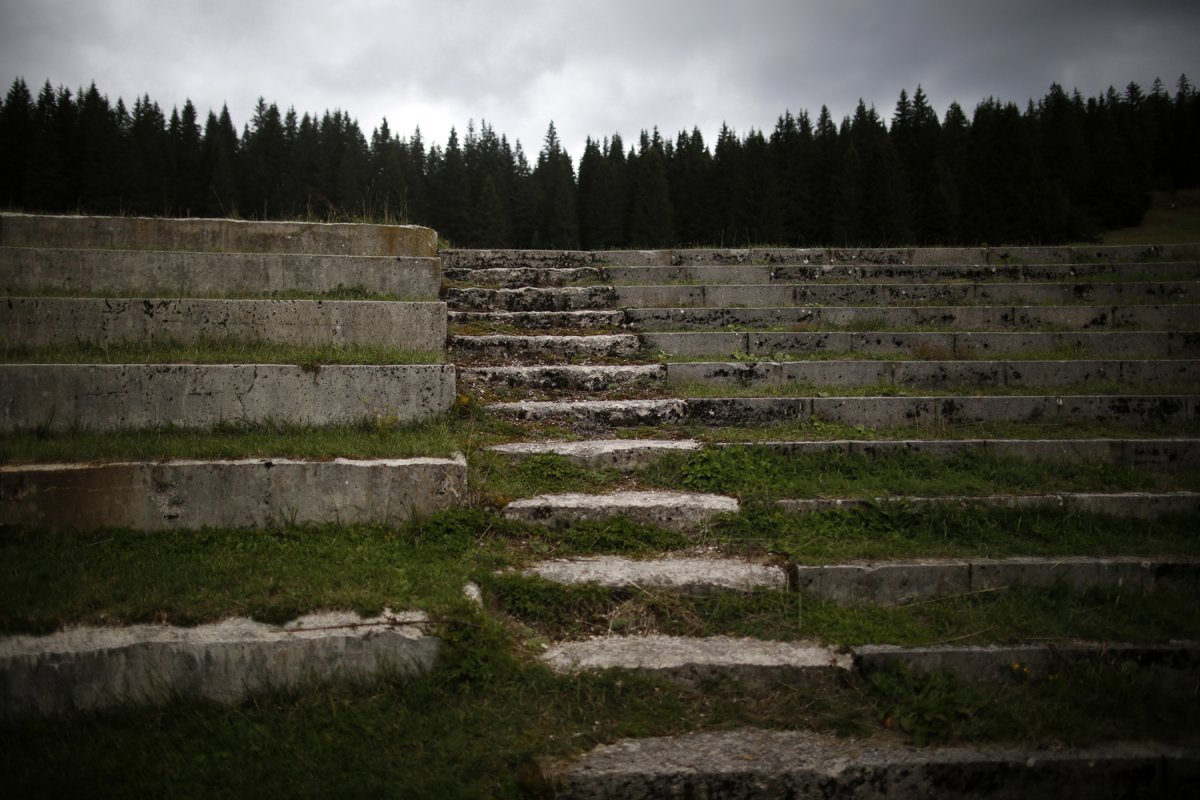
[123, 396]
[25, 270]
[251, 493]
[215, 235]
[65, 320]
[83, 669]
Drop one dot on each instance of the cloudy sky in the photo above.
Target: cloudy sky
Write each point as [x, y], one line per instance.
[592, 67]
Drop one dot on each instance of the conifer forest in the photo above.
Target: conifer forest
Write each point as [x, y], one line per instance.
[1064, 168]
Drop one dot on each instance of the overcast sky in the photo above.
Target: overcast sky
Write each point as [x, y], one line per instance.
[592, 67]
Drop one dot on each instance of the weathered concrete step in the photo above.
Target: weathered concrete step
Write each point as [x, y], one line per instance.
[850, 373]
[981, 318]
[715, 274]
[1154, 453]
[505, 349]
[690, 658]
[1087, 254]
[124, 396]
[175, 273]
[565, 376]
[1142, 505]
[249, 493]
[215, 235]
[672, 510]
[84, 669]
[937, 374]
[620, 454]
[758, 764]
[517, 277]
[881, 412]
[539, 320]
[873, 582]
[866, 294]
[569, 298]
[927, 345]
[66, 320]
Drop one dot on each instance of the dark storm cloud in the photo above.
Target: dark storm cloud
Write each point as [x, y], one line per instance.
[592, 67]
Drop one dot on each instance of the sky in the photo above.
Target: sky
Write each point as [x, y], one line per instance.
[594, 67]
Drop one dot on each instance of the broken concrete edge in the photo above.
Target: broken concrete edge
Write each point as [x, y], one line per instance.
[753, 763]
[183, 495]
[215, 235]
[656, 652]
[89, 668]
[131, 396]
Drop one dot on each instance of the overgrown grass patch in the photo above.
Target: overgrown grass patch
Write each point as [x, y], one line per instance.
[756, 472]
[212, 351]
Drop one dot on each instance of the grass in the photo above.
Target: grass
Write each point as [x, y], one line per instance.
[1173, 218]
[1007, 616]
[213, 351]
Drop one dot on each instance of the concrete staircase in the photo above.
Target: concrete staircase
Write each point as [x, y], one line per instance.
[616, 359]
[110, 282]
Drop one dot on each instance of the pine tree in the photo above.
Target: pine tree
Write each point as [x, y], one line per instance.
[16, 132]
[556, 223]
[650, 223]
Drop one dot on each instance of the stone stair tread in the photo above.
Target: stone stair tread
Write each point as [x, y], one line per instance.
[657, 652]
[759, 763]
[595, 451]
[1135, 504]
[666, 509]
[881, 582]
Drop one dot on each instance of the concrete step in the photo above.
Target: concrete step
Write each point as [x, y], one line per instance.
[692, 659]
[501, 349]
[215, 235]
[1142, 505]
[128, 396]
[714, 274]
[505, 321]
[672, 510]
[880, 294]
[620, 454]
[1153, 453]
[978, 318]
[775, 764]
[925, 345]
[980, 375]
[87, 669]
[1086, 254]
[37, 322]
[248, 493]
[876, 412]
[568, 298]
[569, 377]
[517, 277]
[872, 582]
[174, 273]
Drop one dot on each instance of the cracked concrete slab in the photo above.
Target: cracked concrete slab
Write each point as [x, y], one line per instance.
[674, 573]
[84, 669]
[1141, 505]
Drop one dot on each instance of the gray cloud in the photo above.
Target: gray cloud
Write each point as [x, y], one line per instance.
[593, 68]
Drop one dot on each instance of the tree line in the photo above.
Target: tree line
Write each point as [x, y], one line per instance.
[1064, 168]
